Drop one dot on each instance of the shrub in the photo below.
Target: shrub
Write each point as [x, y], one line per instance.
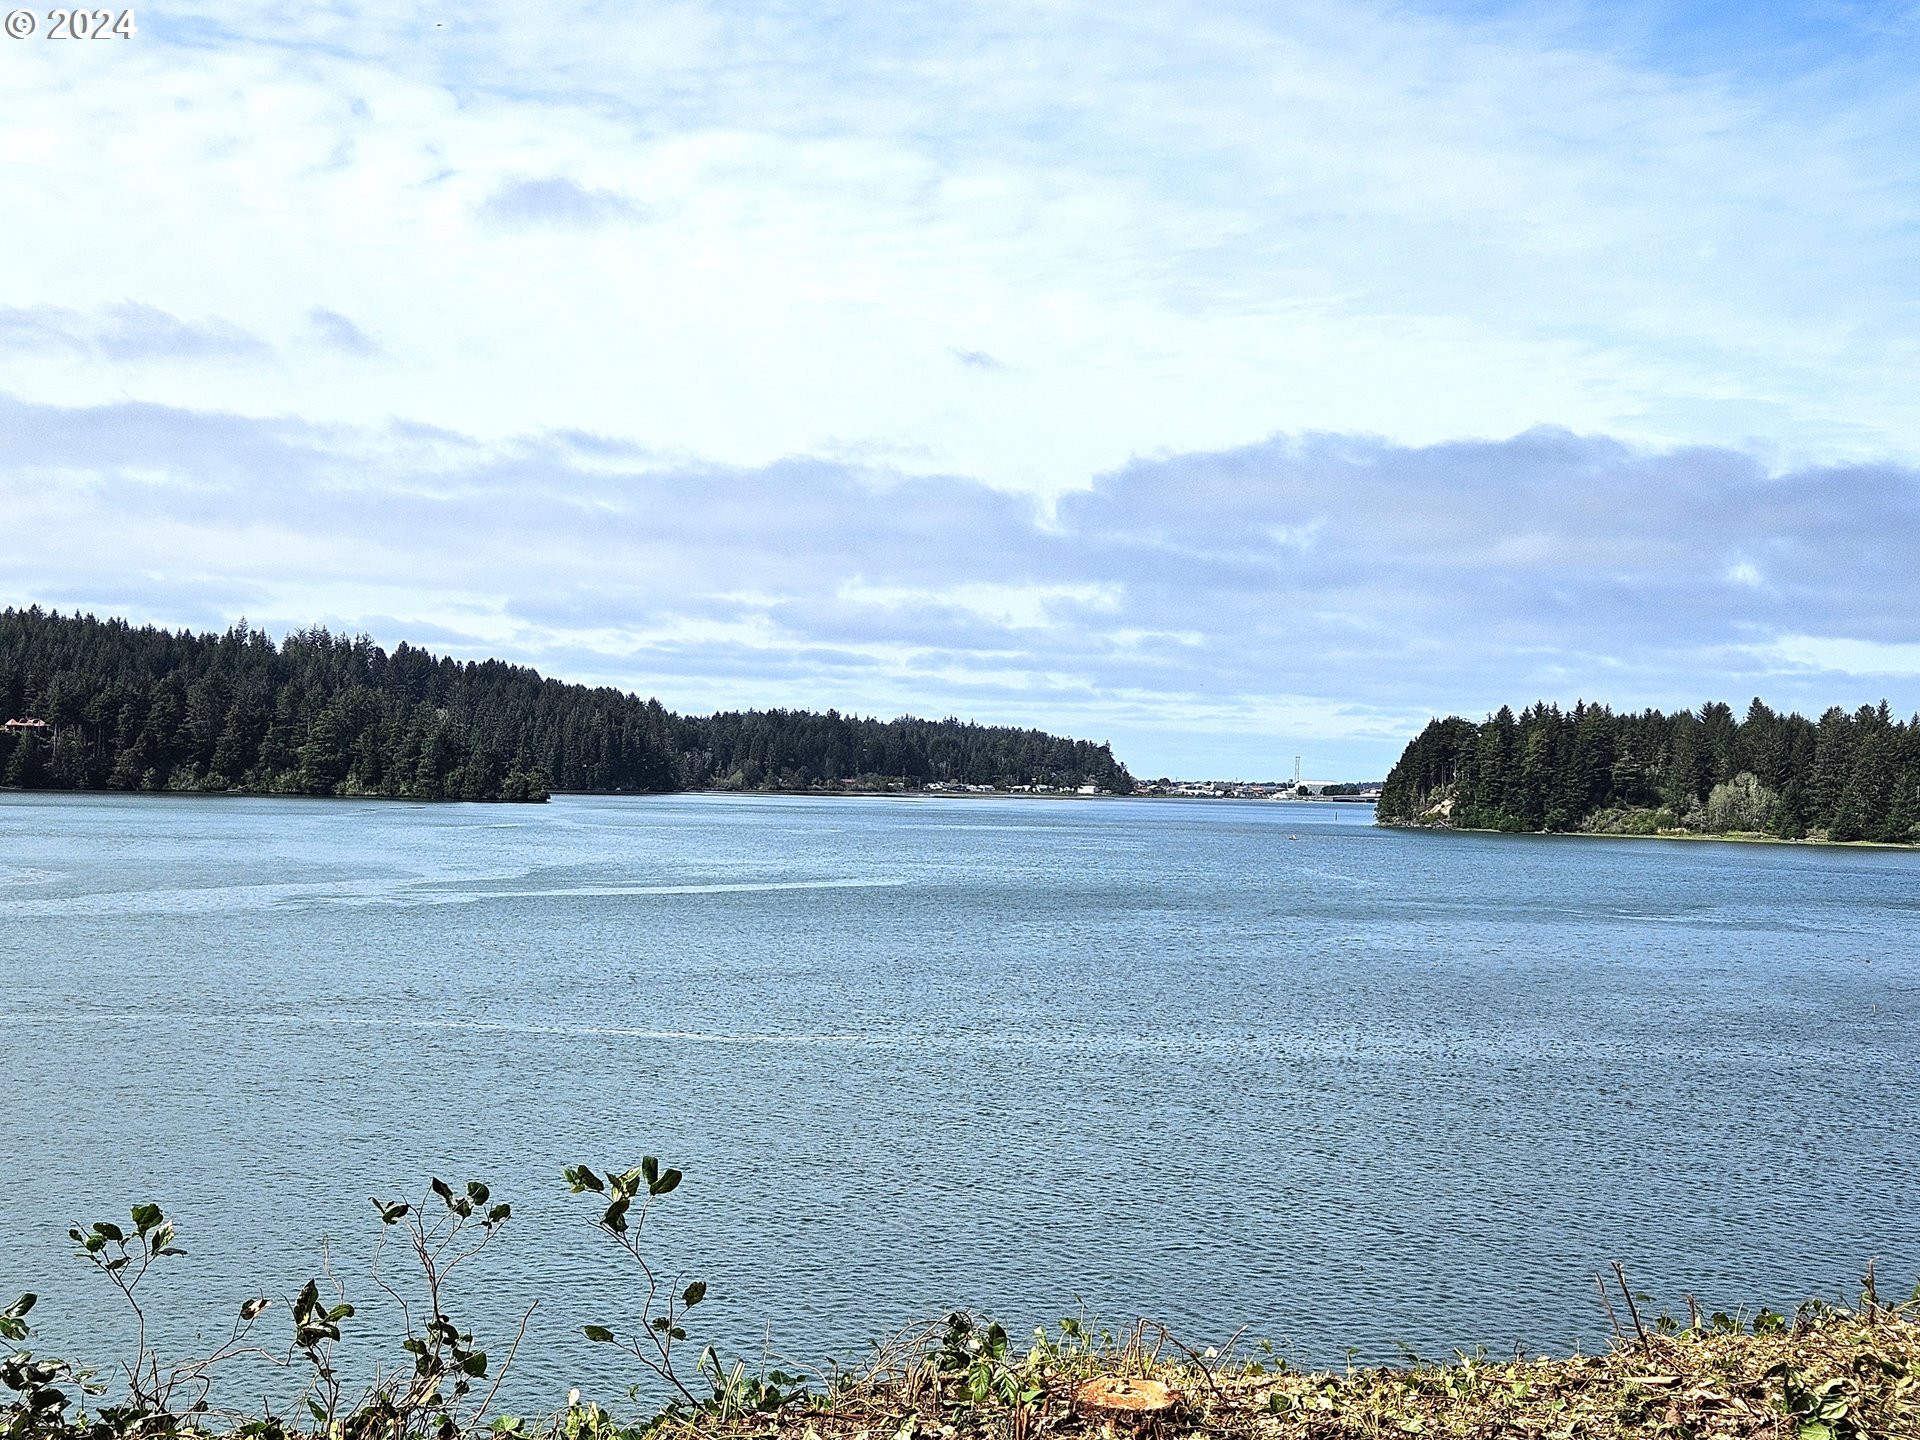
[1741, 803]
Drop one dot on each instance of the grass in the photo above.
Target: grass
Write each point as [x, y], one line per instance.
[1830, 1374]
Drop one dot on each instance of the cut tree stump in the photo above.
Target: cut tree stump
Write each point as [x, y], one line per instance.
[1127, 1396]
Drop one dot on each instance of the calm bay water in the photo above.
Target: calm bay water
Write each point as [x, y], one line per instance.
[1216, 1063]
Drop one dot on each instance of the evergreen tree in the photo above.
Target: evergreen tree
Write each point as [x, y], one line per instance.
[1848, 777]
[147, 709]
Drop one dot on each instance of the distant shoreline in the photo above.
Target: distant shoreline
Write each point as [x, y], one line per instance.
[1731, 837]
[1052, 795]
[252, 795]
[1012, 795]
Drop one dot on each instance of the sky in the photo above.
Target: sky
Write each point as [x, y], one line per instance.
[1228, 381]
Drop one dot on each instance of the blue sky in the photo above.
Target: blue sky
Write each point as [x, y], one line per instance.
[1228, 381]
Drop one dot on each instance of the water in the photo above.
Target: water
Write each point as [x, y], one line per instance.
[1222, 1064]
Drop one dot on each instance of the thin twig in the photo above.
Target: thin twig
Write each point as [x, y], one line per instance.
[1206, 1370]
[1612, 1317]
[1620, 1274]
[500, 1375]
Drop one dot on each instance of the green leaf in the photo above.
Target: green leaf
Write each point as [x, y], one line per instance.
[649, 1169]
[616, 1216]
[110, 1231]
[13, 1319]
[145, 1217]
[667, 1181]
[599, 1334]
[583, 1179]
[499, 1214]
[442, 1189]
[694, 1294]
[476, 1363]
[477, 1192]
[253, 1309]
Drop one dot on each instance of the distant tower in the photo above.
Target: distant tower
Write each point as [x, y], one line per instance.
[1296, 772]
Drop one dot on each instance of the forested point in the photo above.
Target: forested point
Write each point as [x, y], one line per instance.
[94, 704]
[1848, 776]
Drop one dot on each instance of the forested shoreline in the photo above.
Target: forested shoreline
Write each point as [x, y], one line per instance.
[132, 708]
[1849, 776]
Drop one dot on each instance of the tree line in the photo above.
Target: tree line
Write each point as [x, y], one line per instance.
[1847, 776]
[138, 708]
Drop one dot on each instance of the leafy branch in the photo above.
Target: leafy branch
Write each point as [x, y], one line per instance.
[438, 1393]
[664, 1306]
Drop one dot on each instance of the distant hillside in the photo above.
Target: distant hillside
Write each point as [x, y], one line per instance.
[1846, 777]
[128, 708]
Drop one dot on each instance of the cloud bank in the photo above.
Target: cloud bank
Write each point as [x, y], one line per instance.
[1214, 612]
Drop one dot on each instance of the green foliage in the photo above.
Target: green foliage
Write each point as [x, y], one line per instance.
[41, 1389]
[1820, 1409]
[13, 1319]
[323, 714]
[435, 1393]
[1830, 1374]
[664, 1305]
[1741, 804]
[439, 1395]
[977, 1352]
[1844, 777]
[660, 1325]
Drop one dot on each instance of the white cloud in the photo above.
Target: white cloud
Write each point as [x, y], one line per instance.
[1842, 656]
[1183, 229]
[338, 332]
[1014, 607]
[977, 360]
[123, 332]
[557, 201]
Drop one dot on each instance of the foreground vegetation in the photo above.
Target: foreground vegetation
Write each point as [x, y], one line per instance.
[1846, 777]
[1830, 1373]
[126, 708]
